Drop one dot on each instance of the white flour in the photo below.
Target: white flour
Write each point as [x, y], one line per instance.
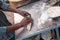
[36, 10]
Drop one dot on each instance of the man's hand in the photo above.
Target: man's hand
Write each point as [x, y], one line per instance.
[13, 9]
[25, 21]
[14, 27]
[23, 13]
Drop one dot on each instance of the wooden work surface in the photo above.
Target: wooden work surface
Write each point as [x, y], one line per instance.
[35, 9]
[40, 23]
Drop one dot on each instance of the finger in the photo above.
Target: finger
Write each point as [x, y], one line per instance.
[27, 18]
[28, 14]
[24, 15]
[30, 20]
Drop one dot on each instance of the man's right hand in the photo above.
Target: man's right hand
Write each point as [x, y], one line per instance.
[14, 27]
[25, 21]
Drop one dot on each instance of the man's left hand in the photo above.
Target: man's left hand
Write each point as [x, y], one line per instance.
[24, 13]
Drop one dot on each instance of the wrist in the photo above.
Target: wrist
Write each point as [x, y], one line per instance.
[19, 25]
[19, 11]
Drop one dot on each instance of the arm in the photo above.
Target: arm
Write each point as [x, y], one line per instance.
[13, 9]
[8, 7]
[5, 30]
[14, 27]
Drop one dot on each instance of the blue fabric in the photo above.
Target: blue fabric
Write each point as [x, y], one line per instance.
[1, 0]
[10, 35]
[4, 6]
[2, 25]
[3, 30]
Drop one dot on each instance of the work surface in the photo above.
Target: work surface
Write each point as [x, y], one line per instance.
[36, 9]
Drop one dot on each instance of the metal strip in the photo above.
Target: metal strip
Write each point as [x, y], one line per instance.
[57, 33]
[41, 31]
